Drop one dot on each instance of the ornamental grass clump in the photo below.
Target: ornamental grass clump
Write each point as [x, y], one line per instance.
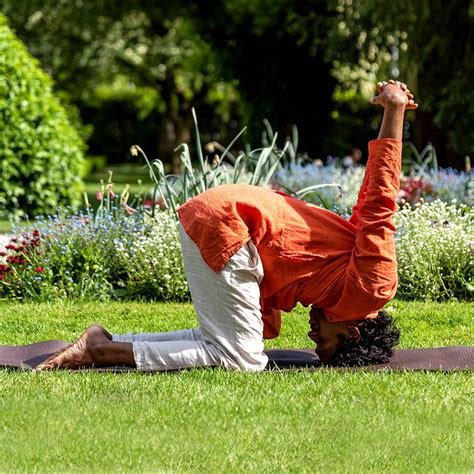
[256, 167]
[435, 251]
[41, 154]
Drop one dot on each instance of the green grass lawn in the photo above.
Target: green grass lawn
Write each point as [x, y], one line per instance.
[5, 226]
[211, 420]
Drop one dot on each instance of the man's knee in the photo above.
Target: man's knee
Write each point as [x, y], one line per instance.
[249, 361]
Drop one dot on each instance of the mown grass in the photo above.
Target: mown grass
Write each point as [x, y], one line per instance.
[211, 420]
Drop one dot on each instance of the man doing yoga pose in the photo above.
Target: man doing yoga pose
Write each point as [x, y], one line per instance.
[251, 252]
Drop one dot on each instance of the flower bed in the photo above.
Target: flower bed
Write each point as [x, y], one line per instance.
[435, 251]
[112, 254]
[126, 250]
[115, 254]
[447, 185]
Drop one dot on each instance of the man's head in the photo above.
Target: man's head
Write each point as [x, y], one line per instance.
[353, 343]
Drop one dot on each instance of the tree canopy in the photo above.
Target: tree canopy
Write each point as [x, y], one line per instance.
[135, 68]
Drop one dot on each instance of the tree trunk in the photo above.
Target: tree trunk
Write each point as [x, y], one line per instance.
[174, 130]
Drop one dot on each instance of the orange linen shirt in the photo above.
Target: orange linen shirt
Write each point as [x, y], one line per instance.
[309, 255]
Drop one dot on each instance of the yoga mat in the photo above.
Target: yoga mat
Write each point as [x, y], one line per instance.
[445, 359]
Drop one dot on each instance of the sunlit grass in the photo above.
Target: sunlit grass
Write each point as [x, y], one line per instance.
[211, 420]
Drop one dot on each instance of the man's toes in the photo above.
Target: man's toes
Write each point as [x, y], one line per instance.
[391, 81]
[47, 364]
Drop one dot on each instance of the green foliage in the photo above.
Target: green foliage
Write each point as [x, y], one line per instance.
[435, 251]
[147, 62]
[313, 63]
[405, 39]
[40, 153]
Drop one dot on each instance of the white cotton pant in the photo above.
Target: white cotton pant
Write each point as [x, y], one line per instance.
[227, 304]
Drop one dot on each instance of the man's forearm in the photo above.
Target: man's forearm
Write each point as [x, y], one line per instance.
[392, 122]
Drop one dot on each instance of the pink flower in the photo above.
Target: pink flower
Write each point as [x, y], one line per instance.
[39, 269]
[98, 195]
[150, 203]
[109, 190]
[129, 210]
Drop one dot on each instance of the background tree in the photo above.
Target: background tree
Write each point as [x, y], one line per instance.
[427, 43]
[134, 68]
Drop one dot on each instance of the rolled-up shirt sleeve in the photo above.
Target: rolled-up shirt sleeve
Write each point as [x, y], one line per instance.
[371, 276]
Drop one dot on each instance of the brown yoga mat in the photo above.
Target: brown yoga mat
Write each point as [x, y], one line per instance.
[445, 359]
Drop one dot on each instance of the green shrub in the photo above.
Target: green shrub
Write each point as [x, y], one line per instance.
[435, 251]
[41, 154]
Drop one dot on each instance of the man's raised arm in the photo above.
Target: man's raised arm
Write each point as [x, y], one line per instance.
[371, 277]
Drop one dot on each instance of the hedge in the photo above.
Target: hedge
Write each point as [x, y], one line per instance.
[41, 154]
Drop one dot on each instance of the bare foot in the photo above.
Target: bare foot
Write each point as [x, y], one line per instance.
[80, 354]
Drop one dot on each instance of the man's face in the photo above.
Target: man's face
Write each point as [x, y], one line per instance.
[330, 336]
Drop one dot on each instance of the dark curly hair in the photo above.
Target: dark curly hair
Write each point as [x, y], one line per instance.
[378, 337]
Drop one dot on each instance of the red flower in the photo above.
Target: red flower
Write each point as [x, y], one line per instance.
[39, 269]
[4, 268]
[11, 247]
[3, 254]
[2, 277]
[16, 259]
